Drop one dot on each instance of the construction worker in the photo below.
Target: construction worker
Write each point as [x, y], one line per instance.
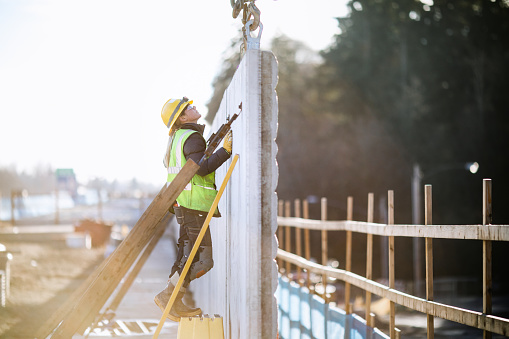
[193, 204]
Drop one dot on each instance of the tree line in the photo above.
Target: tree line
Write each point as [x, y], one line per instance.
[404, 83]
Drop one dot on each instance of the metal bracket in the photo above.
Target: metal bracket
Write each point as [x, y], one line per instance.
[252, 42]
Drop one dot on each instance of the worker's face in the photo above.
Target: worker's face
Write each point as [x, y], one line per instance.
[191, 114]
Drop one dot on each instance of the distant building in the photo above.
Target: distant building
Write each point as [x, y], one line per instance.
[66, 181]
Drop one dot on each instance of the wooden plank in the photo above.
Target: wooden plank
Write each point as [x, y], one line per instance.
[392, 280]
[462, 232]
[463, 316]
[139, 263]
[325, 257]
[288, 238]
[369, 259]
[307, 248]
[298, 240]
[56, 317]
[124, 255]
[429, 259]
[135, 270]
[487, 252]
[348, 263]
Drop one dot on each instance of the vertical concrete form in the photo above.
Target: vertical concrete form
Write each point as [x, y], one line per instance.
[242, 284]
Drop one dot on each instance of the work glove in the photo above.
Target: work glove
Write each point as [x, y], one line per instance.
[227, 145]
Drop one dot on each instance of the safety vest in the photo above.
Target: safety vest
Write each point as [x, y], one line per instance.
[200, 193]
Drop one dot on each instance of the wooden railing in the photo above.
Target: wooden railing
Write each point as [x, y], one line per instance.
[485, 233]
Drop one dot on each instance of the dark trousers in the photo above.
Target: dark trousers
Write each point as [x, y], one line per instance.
[191, 222]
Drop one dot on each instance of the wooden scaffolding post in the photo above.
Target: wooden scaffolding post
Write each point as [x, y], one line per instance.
[288, 238]
[392, 276]
[486, 253]
[280, 212]
[429, 257]
[307, 248]
[298, 240]
[325, 257]
[13, 207]
[348, 264]
[57, 208]
[369, 259]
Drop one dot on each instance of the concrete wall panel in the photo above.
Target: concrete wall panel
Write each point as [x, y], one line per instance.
[242, 284]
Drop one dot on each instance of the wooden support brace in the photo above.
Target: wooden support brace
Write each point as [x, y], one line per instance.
[139, 264]
[118, 263]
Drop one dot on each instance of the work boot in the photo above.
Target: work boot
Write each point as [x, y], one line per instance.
[162, 300]
[183, 309]
[179, 309]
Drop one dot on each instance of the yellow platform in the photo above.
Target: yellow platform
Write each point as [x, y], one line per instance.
[201, 327]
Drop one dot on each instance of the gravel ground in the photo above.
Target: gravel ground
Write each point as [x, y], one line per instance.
[43, 276]
[45, 273]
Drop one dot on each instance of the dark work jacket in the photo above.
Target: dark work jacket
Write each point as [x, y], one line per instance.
[195, 147]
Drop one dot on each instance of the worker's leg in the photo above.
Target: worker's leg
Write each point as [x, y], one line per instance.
[203, 261]
[179, 309]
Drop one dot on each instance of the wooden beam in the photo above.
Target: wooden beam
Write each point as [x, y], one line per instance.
[348, 263]
[463, 316]
[288, 238]
[462, 232]
[429, 259]
[486, 253]
[325, 257]
[392, 275]
[307, 248]
[128, 281]
[124, 255]
[369, 259]
[298, 240]
[56, 317]
[280, 230]
[161, 228]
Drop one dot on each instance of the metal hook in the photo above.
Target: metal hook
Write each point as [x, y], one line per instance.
[237, 7]
[253, 42]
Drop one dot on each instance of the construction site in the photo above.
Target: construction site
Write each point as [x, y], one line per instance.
[357, 192]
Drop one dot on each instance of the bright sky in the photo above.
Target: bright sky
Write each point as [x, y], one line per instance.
[82, 82]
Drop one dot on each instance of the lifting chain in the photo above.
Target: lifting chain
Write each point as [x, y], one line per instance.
[250, 22]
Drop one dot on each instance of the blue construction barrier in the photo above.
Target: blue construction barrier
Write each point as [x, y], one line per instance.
[306, 316]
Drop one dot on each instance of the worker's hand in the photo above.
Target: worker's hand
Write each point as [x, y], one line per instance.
[227, 145]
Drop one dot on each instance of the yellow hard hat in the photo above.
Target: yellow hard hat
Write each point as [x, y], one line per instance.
[172, 109]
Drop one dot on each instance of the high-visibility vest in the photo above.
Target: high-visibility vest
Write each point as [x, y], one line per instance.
[200, 193]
